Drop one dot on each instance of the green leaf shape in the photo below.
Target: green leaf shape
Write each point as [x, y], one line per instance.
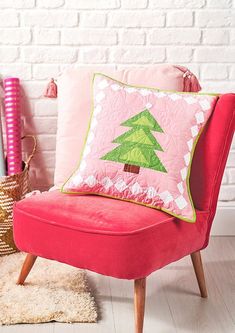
[140, 136]
[130, 153]
[143, 119]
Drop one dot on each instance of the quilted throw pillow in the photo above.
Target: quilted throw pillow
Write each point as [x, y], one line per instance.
[140, 146]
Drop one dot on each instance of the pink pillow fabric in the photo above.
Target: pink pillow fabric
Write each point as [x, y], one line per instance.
[74, 104]
[140, 146]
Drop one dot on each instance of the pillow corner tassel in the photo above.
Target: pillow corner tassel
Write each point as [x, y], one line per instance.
[51, 90]
[191, 82]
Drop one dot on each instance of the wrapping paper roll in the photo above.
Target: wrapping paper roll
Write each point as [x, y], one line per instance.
[13, 125]
[2, 159]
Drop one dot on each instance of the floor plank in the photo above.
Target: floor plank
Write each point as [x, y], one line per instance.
[220, 264]
[157, 314]
[36, 328]
[192, 313]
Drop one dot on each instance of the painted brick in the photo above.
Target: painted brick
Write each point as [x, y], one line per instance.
[48, 157]
[45, 18]
[47, 142]
[88, 37]
[92, 20]
[219, 86]
[45, 175]
[8, 53]
[50, 3]
[46, 36]
[232, 36]
[20, 70]
[136, 19]
[225, 178]
[227, 193]
[46, 107]
[41, 125]
[17, 3]
[231, 159]
[180, 18]
[177, 3]
[175, 36]
[179, 54]
[27, 108]
[44, 71]
[232, 74]
[215, 36]
[32, 89]
[58, 55]
[93, 4]
[233, 17]
[130, 55]
[15, 36]
[214, 72]
[233, 143]
[213, 18]
[231, 176]
[215, 54]
[132, 37]
[133, 4]
[93, 55]
[9, 18]
[219, 3]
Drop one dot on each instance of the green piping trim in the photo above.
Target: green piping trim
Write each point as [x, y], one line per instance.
[193, 220]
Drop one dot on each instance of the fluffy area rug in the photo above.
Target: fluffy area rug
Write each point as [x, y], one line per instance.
[52, 292]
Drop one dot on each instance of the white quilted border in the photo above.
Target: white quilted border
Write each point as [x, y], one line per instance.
[135, 189]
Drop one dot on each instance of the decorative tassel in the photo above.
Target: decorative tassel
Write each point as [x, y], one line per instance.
[195, 85]
[51, 90]
[191, 82]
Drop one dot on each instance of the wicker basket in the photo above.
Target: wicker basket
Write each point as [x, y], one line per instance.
[12, 188]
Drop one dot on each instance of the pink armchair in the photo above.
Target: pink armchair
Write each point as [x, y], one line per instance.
[122, 239]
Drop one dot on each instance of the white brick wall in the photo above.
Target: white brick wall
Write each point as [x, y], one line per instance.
[38, 38]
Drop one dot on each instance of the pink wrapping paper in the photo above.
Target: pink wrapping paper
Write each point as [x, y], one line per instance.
[13, 125]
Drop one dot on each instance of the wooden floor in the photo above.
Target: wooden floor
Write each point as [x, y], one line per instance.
[173, 302]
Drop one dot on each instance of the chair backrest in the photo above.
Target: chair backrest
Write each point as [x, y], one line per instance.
[211, 155]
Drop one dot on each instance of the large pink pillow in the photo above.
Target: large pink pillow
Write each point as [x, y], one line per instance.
[140, 146]
[74, 104]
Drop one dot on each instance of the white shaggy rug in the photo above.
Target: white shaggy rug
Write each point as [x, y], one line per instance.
[52, 292]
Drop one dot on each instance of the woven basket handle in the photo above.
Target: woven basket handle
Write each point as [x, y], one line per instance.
[27, 163]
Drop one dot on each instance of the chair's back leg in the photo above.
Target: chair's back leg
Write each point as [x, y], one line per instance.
[139, 303]
[26, 268]
[198, 268]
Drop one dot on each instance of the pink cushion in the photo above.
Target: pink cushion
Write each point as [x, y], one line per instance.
[74, 105]
[111, 237]
[140, 145]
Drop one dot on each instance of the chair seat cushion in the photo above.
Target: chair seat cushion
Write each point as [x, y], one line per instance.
[111, 237]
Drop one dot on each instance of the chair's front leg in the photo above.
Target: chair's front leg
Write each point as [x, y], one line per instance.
[139, 303]
[198, 268]
[26, 268]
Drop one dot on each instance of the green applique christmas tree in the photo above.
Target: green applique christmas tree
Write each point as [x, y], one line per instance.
[138, 145]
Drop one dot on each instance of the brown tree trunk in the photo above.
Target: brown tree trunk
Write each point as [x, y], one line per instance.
[131, 168]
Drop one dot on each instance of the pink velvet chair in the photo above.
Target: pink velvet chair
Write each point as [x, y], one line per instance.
[122, 239]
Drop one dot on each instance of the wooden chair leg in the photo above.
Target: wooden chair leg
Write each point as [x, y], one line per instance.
[139, 303]
[26, 268]
[198, 268]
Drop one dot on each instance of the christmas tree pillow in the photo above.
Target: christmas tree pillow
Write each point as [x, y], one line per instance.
[140, 146]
